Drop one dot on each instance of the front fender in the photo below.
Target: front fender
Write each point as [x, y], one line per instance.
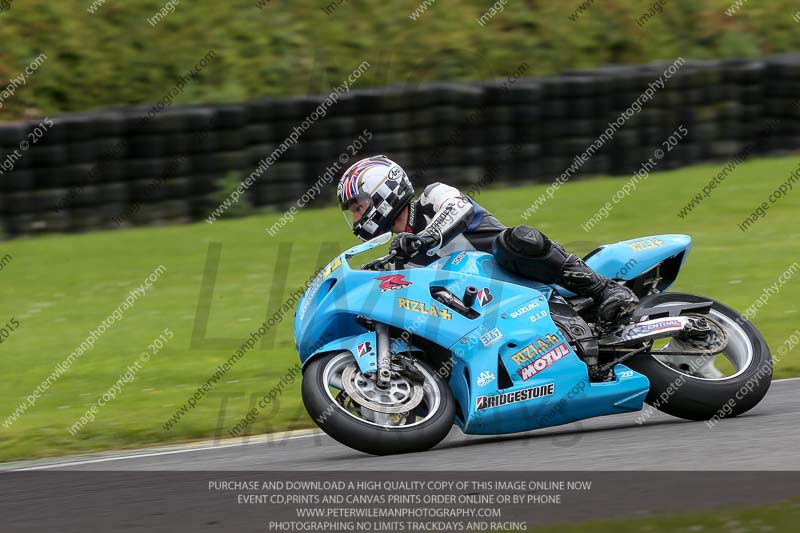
[366, 343]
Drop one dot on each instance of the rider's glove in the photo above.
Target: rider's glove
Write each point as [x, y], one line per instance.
[408, 245]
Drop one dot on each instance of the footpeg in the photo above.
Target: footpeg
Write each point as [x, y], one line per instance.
[598, 374]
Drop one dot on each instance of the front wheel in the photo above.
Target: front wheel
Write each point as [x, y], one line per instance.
[408, 416]
[697, 388]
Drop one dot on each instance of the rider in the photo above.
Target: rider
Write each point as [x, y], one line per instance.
[377, 195]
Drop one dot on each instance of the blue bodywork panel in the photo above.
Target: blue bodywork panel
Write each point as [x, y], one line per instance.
[512, 333]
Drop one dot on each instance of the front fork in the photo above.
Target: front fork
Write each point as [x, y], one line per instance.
[391, 361]
[384, 373]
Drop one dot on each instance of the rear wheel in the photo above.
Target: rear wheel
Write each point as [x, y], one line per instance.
[413, 414]
[699, 388]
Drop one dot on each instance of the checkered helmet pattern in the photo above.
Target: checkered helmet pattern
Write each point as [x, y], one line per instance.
[385, 186]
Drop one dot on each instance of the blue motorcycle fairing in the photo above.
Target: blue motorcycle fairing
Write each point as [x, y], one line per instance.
[483, 264]
[329, 307]
[565, 396]
[363, 348]
[523, 341]
[512, 342]
[624, 260]
[628, 259]
[316, 283]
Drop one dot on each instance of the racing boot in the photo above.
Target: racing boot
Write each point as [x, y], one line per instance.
[614, 301]
[528, 252]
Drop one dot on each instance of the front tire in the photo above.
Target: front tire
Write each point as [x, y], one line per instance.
[343, 418]
[681, 391]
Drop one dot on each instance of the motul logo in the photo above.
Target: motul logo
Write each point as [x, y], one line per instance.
[543, 362]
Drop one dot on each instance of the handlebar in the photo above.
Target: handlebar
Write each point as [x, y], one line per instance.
[381, 262]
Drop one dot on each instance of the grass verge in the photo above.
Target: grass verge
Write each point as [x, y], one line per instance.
[776, 518]
[59, 288]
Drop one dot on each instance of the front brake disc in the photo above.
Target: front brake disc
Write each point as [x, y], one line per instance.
[400, 397]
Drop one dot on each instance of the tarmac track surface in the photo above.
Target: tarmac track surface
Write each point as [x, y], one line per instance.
[663, 465]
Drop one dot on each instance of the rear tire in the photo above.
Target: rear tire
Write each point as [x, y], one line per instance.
[680, 394]
[369, 437]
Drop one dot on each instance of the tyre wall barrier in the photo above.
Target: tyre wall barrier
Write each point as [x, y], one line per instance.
[128, 166]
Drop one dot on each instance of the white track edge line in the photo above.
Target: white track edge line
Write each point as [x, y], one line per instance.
[186, 450]
[154, 454]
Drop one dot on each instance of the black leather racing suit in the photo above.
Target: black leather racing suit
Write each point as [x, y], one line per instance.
[456, 222]
[463, 223]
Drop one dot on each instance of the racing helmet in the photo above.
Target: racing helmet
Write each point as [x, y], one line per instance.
[381, 188]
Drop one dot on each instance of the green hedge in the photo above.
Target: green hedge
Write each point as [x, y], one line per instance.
[284, 47]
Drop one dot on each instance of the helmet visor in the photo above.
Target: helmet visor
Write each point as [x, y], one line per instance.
[355, 209]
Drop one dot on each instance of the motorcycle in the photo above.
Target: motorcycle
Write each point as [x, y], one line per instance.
[392, 358]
